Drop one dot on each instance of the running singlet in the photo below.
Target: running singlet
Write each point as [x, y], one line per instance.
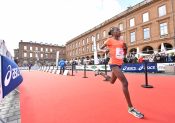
[116, 51]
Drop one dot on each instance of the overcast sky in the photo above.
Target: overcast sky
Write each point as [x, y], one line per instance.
[53, 21]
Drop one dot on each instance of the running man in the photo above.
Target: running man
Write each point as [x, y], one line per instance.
[117, 49]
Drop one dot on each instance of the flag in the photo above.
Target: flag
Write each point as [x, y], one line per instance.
[163, 48]
[95, 52]
[57, 57]
[10, 76]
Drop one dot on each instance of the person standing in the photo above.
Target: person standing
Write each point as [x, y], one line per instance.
[30, 65]
[62, 65]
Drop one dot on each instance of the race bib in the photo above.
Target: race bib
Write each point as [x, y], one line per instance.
[119, 53]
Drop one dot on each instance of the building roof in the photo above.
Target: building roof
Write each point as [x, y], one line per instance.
[41, 43]
[116, 17]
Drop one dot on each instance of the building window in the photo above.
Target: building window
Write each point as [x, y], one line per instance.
[41, 55]
[25, 54]
[46, 49]
[98, 36]
[36, 48]
[133, 37]
[36, 55]
[46, 55]
[83, 42]
[92, 48]
[83, 49]
[132, 22]
[87, 40]
[146, 33]
[25, 47]
[92, 38]
[163, 29]
[98, 46]
[31, 55]
[30, 48]
[41, 49]
[146, 17]
[121, 27]
[79, 43]
[162, 10]
[104, 34]
[50, 49]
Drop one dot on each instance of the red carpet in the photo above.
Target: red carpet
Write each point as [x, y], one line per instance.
[49, 98]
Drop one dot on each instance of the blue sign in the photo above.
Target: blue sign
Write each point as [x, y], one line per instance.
[139, 67]
[11, 76]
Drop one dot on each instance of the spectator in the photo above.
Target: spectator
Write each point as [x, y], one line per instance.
[62, 65]
[140, 59]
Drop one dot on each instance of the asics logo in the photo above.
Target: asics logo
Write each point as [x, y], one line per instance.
[12, 73]
[141, 68]
[124, 68]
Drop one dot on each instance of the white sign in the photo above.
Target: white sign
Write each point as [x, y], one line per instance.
[66, 72]
[161, 66]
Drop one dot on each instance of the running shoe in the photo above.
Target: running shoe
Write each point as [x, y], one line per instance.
[97, 72]
[135, 112]
[108, 78]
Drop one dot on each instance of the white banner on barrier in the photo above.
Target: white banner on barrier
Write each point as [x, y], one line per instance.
[93, 67]
[1, 92]
[161, 66]
[66, 72]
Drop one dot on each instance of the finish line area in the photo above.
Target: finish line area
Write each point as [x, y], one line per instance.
[53, 98]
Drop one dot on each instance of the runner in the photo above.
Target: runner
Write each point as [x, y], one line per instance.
[117, 50]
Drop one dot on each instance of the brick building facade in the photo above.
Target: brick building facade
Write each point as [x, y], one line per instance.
[43, 54]
[144, 27]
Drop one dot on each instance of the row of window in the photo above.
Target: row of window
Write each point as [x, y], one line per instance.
[42, 49]
[145, 18]
[146, 32]
[37, 55]
[36, 49]
[86, 49]
[146, 36]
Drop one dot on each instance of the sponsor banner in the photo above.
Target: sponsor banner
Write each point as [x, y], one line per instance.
[151, 67]
[1, 92]
[11, 76]
[93, 67]
[161, 66]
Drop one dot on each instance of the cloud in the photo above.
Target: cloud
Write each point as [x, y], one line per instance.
[51, 21]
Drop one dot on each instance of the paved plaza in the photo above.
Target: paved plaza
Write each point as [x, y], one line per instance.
[10, 108]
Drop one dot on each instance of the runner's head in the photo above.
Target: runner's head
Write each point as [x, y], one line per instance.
[115, 32]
